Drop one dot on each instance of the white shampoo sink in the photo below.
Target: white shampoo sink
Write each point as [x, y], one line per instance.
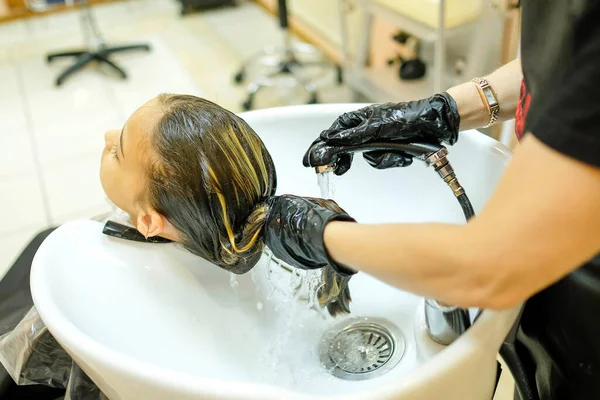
[151, 321]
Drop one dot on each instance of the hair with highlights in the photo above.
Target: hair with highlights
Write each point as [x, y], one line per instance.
[210, 176]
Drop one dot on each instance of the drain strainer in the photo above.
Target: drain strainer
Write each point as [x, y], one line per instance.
[361, 348]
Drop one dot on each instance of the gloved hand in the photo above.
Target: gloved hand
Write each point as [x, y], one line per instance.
[294, 233]
[431, 120]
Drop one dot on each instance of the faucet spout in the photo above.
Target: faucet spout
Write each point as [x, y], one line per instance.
[445, 323]
[323, 156]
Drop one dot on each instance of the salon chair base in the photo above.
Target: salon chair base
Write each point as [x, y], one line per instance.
[84, 57]
[288, 63]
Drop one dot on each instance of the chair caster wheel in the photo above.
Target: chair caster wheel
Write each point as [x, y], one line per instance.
[247, 105]
[239, 77]
[313, 100]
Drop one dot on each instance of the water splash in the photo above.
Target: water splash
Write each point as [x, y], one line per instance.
[327, 188]
[272, 287]
[290, 356]
[233, 282]
[325, 182]
[292, 318]
[313, 283]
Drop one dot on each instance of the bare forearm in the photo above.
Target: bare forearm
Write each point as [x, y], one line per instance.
[506, 82]
[432, 260]
[542, 222]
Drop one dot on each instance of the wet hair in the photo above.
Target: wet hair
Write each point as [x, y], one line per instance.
[210, 176]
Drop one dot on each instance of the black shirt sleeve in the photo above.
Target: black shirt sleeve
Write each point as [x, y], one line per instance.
[567, 116]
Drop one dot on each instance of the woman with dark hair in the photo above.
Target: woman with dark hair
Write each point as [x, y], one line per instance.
[188, 170]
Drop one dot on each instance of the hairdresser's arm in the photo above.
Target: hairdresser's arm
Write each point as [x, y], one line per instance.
[506, 82]
[542, 222]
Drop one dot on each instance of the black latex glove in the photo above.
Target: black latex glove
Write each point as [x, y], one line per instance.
[294, 233]
[295, 227]
[431, 120]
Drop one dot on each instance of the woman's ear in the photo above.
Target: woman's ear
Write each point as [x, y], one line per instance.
[151, 223]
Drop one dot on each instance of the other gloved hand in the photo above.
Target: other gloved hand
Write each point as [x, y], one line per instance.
[294, 233]
[431, 120]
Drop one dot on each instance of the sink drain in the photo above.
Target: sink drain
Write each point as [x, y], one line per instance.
[361, 348]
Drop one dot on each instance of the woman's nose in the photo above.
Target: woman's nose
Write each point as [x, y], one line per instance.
[109, 139]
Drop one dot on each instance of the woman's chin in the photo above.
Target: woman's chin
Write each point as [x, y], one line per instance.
[119, 215]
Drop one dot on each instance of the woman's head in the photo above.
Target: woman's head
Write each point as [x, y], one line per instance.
[188, 170]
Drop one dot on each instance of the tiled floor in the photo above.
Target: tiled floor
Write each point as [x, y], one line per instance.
[52, 137]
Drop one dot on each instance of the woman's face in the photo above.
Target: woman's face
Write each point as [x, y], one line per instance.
[125, 156]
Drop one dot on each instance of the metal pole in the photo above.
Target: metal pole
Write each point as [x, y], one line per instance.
[440, 50]
[92, 34]
[344, 34]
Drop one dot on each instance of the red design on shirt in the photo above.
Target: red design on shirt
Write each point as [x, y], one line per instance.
[522, 109]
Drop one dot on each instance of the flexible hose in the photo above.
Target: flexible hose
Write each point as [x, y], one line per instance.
[459, 319]
[466, 206]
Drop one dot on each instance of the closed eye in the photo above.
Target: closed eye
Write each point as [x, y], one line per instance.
[114, 151]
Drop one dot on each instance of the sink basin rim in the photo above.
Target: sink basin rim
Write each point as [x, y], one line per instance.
[104, 358]
[84, 347]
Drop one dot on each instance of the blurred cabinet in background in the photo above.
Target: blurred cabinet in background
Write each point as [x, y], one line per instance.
[318, 22]
[324, 17]
[458, 40]
[15, 9]
[472, 39]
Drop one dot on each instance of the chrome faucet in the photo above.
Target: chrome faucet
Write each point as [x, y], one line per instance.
[445, 323]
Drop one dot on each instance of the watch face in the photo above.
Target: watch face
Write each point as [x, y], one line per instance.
[490, 96]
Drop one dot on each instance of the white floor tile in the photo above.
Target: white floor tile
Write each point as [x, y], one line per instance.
[70, 120]
[5, 56]
[234, 25]
[63, 132]
[12, 113]
[149, 75]
[57, 146]
[9, 86]
[39, 48]
[13, 32]
[17, 157]
[74, 187]
[39, 81]
[54, 25]
[124, 13]
[21, 203]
